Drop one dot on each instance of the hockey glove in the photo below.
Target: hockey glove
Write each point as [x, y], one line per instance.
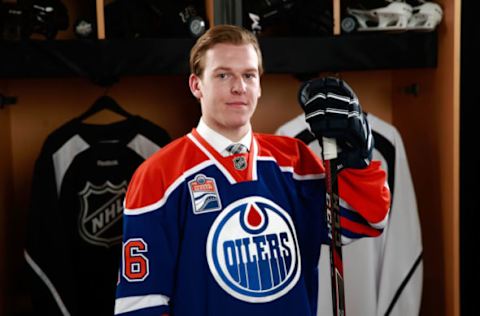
[332, 110]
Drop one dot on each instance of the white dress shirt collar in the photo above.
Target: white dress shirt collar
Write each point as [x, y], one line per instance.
[220, 142]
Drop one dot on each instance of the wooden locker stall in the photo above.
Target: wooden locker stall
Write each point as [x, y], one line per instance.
[5, 194]
[428, 122]
[44, 105]
[430, 125]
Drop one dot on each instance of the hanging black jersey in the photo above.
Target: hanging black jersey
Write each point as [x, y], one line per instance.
[384, 275]
[75, 218]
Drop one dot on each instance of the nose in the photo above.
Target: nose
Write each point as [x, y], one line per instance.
[239, 86]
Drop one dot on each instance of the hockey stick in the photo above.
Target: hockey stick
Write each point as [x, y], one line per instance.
[329, 150]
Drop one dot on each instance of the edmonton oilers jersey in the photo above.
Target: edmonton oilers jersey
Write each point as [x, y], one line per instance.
[236, 235]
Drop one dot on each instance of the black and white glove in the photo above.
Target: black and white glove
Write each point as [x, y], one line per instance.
[332, 110]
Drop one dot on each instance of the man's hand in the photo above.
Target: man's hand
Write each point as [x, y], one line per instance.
[332, 110]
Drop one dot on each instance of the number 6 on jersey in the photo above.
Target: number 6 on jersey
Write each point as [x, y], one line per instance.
[135, 264]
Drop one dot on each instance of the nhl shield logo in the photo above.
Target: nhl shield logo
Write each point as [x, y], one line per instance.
[204, 194]
[101, 213]
[252, 250]
[239, 163]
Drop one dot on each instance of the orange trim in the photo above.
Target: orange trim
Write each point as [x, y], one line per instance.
[227, 162]
[359, 228]
[160, 171]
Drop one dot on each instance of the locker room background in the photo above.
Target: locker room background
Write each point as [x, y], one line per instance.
[429, 124]
[469, 162]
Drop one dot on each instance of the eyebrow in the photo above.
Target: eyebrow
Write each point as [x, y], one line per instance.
[230, 69]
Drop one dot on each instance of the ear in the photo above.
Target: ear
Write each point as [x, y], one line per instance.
[195, 86]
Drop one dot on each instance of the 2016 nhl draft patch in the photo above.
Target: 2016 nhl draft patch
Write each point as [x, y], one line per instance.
[204, 194]
[252, 250]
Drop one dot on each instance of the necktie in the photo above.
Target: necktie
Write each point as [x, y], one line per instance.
[237, 149]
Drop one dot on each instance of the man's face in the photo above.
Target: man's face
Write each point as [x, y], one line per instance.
[229, 88]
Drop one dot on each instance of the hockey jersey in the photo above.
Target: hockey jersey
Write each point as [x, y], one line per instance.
[75, 219]
[237, 235]
[383, 276]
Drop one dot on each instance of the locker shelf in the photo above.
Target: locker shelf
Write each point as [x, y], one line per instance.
[103, 60]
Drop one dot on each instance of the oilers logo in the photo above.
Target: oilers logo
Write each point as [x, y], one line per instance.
[252, 250]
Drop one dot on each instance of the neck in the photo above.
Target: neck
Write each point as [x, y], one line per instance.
[233, 134]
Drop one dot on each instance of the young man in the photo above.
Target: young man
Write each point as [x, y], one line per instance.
[210, 232]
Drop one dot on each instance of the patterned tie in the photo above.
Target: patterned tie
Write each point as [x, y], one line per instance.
[237, 149]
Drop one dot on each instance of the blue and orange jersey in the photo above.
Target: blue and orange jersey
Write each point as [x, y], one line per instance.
[211, 235]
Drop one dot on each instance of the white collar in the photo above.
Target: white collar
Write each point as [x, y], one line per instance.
[218, 141]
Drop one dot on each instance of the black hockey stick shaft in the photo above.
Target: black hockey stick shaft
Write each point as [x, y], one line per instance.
[329, 150]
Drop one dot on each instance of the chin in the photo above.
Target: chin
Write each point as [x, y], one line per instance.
[237, 124]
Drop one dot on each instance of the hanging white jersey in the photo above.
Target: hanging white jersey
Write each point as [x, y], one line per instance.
[75, 217]
[384, 275]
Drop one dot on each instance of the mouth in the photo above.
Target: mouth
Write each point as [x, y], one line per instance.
[237, 103]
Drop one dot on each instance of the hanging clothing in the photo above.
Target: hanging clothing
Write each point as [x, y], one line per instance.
[75, 219]
[384, 275]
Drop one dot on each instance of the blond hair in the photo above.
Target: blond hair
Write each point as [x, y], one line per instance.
[225, 33]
